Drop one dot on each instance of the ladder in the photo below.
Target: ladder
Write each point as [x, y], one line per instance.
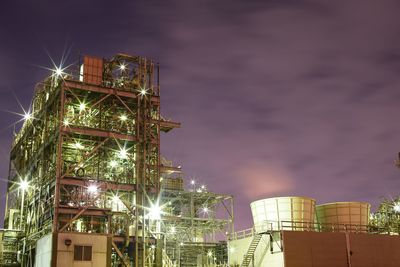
[250, 252]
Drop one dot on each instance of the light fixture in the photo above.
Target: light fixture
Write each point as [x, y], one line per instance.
[82, 106]
[396, 207]
[142, 91]
[193, 182]
[78, 145]
[27, 116]
[23, 185]
[58, 71]
[92, 189]
[123, 117]
[203, 187]
[123, 154]
[155, 212]
[113, 164]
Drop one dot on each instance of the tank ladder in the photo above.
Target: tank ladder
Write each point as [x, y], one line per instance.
[250, 251]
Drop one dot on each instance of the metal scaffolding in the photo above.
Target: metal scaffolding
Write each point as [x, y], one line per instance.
[87, 160]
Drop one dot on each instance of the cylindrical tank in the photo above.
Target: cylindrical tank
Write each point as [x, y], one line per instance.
[283, 213]
[344, 216]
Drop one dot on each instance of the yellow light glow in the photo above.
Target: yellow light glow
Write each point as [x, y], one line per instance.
[123, 117]
[66, 122]
[82, 106]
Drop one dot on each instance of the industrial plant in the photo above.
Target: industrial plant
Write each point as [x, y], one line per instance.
[88, 186]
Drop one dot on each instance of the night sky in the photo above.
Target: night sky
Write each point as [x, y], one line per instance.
[275, 98]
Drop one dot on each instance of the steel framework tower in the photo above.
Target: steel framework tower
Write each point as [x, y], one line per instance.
[85, 167]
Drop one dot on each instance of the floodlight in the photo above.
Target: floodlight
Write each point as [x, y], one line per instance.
[155, 212]
[27, 116]
[396, 207]
[123, 154]
[23, 185]
[82, 106]
[123, 117]
[58, 71]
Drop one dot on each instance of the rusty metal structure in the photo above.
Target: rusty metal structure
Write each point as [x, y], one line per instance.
[87, 161]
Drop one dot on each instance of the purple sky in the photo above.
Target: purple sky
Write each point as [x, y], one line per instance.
[285, 97]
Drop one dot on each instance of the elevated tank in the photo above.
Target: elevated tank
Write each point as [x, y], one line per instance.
[283, 213]
[344, 216]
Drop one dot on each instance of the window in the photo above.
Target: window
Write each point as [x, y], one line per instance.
[82, 253]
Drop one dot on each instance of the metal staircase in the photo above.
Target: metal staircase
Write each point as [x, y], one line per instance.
[250, 252]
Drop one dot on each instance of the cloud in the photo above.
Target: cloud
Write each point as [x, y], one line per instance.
[262, 179]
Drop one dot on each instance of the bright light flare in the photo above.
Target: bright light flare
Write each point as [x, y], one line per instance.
[113, 164]
[23, 185]
[123, 117]
[66, 122]
[82, 106]
[123, 154]
[155, 212]
[27, 116]
[193, 182]
[92, 189]
[143, 91]
[122, 67]
[205, 210]
[396, 207]
[58, 72]
[209, 253]
[78, 145]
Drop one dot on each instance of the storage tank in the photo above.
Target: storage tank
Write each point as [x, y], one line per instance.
[283, 213]
[344, 216]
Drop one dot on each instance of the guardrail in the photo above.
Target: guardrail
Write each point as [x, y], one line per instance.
[276, 226]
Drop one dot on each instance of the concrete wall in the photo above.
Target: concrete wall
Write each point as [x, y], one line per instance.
[262, 256]
[43, 251]
[100, 251]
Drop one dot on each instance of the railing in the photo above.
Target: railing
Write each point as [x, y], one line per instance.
[274, 226]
